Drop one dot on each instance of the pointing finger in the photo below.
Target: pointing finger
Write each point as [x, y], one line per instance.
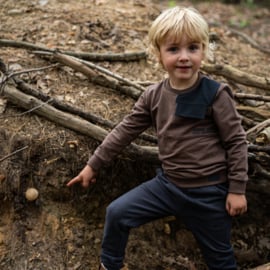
[73, 181]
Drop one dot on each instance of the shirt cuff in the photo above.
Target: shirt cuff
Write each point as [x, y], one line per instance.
[238, 187]
[94, 162]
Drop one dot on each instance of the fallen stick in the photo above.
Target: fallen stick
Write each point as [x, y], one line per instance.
[258, 128]
[93, 75]
[237, 75]
[261, 114]
[252, 96]
[127, 56]
[21, 85]
[251, 41]
[107, 72]
[259, 148]
[75, 62]
[77, 124]
[13, 153]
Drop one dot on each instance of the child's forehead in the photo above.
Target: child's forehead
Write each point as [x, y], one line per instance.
[171, 38]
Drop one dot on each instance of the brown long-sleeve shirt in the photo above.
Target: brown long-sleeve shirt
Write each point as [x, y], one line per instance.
[193, 152]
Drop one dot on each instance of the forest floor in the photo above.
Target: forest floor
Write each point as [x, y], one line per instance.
[62, 229]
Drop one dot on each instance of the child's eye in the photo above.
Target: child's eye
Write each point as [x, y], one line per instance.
[194, 47]
[172, 49]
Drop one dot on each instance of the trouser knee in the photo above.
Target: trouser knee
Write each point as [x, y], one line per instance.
[115, 213]
[111, 211]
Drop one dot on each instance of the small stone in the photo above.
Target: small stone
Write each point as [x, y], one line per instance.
[31, 194]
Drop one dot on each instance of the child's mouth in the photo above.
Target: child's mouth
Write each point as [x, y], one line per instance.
[184, 68]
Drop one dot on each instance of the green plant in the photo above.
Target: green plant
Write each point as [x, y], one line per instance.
[241, 23]
[172, 3]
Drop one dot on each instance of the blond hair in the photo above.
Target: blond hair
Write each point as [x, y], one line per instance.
[179, 22]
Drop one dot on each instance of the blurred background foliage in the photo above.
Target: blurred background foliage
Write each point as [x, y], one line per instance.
[249, 3]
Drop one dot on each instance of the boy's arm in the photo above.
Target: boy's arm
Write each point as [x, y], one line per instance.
[122, 135]
[233, 137]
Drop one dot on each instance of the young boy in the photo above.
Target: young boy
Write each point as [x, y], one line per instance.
[202, 148]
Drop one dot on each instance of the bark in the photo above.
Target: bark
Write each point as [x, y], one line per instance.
[132, 56]
[252, 132]
[21, 85]
[74, 123]
[252, 96]
[258, 114]
[251, 41]
[94, 77]
[237, 75]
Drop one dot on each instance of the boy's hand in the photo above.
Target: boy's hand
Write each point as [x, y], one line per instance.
[85, 177]
[236, 204]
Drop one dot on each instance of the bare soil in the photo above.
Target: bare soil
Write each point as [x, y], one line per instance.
[63, 228]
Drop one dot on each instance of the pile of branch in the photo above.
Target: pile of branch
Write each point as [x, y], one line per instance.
[86, 123]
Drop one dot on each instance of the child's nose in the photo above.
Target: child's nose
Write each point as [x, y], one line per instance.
[183, 55]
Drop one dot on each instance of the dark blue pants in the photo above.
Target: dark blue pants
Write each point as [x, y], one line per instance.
[201, 209]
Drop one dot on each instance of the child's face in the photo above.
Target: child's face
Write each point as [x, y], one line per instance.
[182, 61]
